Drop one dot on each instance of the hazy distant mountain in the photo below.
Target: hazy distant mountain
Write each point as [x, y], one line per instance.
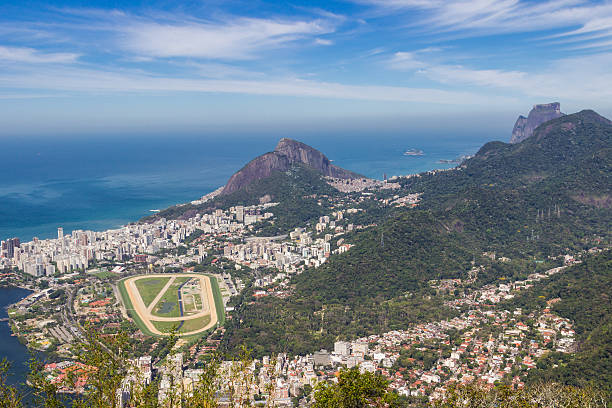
[287, 153]
[524, 126]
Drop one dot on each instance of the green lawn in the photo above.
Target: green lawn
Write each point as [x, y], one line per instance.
[188, 326]
[218, 300]
[168, 305]
[195, 324]
[150, 287]
[104, 274]
[165, 327]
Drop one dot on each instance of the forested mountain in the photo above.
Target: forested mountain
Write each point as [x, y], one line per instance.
[556, 185]
[543, 197]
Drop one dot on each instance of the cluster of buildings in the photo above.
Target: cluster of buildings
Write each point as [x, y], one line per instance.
[360, 184]
[291, 254]
[408, 200]
[477, 353]
[80, 249]
[52, 319]
[483, 344]
[69, 376]
[489, 345]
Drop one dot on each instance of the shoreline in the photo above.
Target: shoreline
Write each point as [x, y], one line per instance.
[186, 190]
[15, 351]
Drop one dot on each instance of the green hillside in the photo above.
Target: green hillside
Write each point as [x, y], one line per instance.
[556, 185]
[546, 196]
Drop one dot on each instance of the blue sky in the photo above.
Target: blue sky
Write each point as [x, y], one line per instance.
[80, 67]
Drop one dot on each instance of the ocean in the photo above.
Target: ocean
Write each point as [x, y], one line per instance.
[104, 182]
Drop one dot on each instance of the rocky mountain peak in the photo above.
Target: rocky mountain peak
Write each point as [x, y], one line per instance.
[288, 152]
[524, 126]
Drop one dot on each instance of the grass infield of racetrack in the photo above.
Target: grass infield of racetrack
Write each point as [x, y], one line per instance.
[170, 297]
[140, 324]
[149, 288]
[192, 303]
[188, 325]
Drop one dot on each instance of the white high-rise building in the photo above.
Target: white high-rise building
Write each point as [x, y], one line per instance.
[240, 213]
[342, 348]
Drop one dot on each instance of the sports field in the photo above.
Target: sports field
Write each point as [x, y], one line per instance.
[183, 301]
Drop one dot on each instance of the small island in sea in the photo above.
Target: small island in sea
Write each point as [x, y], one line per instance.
[413, 152]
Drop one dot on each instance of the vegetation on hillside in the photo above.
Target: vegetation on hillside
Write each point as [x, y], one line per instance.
[530, 202]
[519, 201]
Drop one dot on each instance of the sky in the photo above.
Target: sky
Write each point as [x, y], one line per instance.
[153, 67]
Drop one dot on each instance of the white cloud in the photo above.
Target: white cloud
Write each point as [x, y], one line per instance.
[32, 56]
[323, 41]
[217, 70]
[481, 17]
[406, 61]
[579, 79]
[597, 24]
[98, 81]
[238, 39]
[454, 74]
[596, 44]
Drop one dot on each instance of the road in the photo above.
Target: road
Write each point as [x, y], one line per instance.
[74, 325]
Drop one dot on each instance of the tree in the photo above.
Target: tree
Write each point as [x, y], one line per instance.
[9, 395]
[355, 390]
[548, 395]
[46, 392]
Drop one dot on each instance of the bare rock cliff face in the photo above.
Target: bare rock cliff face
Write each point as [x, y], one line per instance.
[524, 126]
[286, 153]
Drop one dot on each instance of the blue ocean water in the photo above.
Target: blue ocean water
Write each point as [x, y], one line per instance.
[105, 182]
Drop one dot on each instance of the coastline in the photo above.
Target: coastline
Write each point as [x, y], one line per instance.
[11, 348]
[53, 196]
